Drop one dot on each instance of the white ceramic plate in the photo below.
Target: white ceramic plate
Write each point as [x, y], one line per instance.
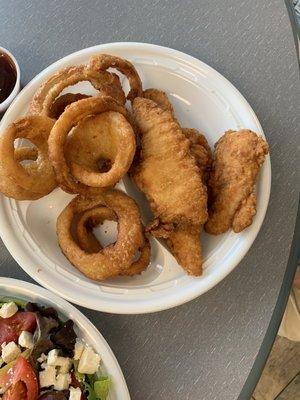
[84, 328]
[202, 99]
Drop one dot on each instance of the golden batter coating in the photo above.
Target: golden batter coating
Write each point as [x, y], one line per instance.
[199, 147]
[167, 173]
[238, 157]
[160, 98]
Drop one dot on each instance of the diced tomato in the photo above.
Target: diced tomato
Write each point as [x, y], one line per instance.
[16, 392]
[20, 382]
[11, 328]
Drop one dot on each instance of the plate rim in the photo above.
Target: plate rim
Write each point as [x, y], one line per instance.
[68, 309]
[172, 298]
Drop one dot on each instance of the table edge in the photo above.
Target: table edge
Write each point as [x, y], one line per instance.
[277, 314]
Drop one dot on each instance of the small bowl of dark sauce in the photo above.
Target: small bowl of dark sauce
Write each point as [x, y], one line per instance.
[9, 78]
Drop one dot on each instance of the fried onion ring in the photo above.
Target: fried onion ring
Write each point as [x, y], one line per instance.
[101, 62]
[8, 187]
[88, 242]
[75, 113]
[59, 105]
[86, 222]
[37, 177]
[45, 96]
[111, 260]
[107, 136]
[25, 153]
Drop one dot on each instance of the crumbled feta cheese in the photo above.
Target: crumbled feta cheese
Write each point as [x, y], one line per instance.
[62, 381]
[52, 357]
[47, 377]
[8, 310]
[65, 364]
[26, 340]
[10, 352]
[75, 393]
[79, 347]
[44, 365]
[42, 358]
[89, 361]
[3, 345]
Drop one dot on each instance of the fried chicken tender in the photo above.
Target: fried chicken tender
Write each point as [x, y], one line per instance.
[168, 175]
[238, 157]
[160, 98]
[199, 147]
[183, 241]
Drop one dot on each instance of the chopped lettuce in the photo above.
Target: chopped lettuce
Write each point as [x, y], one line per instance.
[96, 388]
[78, 375]
[51, 333]
[101, 387]
[20, 303]
[65, 338]
[89, 391]
[48, 312]
[41, 338]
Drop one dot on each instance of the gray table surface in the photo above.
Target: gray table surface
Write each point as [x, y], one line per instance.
[204, 349]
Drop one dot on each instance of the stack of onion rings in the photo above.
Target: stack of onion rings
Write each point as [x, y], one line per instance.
[116, 259]
[72, 133]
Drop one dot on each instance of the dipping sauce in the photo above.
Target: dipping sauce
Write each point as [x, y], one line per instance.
[8, 76]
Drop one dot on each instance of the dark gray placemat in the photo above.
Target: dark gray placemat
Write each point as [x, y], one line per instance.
[203, 349]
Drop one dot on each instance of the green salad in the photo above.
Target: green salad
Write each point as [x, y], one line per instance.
[43, 359]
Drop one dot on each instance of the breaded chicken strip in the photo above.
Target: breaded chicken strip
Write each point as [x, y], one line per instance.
[168, 175]
[183, 241]
[160, 98]
[199, 147]
[238, 157]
